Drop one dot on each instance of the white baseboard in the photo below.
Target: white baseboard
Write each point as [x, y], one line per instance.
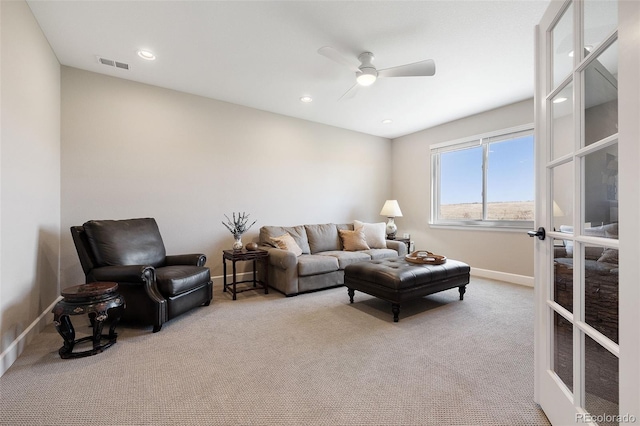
[13, 351]
[503, 276]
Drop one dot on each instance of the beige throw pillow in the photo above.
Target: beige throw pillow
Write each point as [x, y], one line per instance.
[286, 242]
[353, 240]
[375, 233]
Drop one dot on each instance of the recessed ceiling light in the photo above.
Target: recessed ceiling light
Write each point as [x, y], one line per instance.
[387, 121]
[306, 99]
[559, 100]
[145, 54]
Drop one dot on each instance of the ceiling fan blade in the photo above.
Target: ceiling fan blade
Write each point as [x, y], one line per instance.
[350, 93]
[335, 56]
[417, 69]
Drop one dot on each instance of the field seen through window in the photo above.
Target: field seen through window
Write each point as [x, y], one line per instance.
[508, 210]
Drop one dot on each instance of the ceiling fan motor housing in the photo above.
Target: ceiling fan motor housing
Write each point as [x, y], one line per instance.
[368, 73]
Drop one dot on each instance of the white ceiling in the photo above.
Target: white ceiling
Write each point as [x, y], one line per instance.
[263, 54]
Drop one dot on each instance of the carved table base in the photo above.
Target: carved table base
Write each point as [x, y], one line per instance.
[99, 301]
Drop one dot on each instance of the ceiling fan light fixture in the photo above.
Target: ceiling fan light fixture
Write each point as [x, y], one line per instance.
[306, 99]
[367, 76]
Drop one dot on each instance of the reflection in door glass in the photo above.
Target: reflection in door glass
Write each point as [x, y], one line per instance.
[601, 96]
[601, 193]
[600, 20]
[562, 140]
[601, 290]
[563, 273]
[563, 47]
[563, 349]
[562, 196]
[601, 383]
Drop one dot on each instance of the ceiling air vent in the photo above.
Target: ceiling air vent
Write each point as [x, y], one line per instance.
[112, 63]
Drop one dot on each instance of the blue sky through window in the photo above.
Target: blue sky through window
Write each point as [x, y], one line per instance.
[510, 173]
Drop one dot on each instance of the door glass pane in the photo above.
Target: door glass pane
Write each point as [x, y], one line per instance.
[563, 273]
[601, 383]
[600, 20]
[461, 193]
[563, 349]
[601, 193]
[601, 290]
[510, 182]
[563, 130]
[562, 196]
[562, 35]
[601, 96]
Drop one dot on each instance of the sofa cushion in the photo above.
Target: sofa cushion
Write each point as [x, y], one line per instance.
[174, 280]
[297, 232]
[312, 264]
[286, 242]
[125, 242]
[375, 233]
[322, 237]
[353, 240]
[347, 257]
[381, 253]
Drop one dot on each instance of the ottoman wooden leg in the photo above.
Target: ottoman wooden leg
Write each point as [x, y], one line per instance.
[395, 308]
[351, 293]
[461, 290]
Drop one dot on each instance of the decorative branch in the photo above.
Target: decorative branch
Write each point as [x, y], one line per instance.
[238, 225]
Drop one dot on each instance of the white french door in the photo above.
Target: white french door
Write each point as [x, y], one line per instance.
[579, 274]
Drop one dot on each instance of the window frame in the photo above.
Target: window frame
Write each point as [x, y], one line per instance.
[482, 140]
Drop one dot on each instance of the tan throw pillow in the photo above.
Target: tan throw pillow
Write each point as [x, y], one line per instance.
[353, 240]
[286, 242]
[375, 233]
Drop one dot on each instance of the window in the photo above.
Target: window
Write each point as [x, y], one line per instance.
[484, 180]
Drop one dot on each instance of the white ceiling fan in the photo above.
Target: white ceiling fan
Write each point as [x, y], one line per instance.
[366, 72]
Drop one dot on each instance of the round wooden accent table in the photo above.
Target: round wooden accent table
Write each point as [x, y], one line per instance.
[99, 300]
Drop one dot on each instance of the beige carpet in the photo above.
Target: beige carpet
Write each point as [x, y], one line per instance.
[313, 359]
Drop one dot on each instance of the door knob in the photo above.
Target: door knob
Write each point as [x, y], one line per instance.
[540, 233]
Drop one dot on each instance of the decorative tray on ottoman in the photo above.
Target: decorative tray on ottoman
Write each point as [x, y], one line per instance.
[425, 257]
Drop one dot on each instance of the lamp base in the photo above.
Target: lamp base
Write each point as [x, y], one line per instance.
[391, 229]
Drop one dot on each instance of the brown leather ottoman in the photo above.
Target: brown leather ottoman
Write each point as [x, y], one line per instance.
[397, 280]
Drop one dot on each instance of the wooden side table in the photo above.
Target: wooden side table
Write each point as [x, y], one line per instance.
[98, 300]
[245, 255]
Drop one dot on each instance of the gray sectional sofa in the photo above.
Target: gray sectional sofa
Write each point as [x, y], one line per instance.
[323, 259]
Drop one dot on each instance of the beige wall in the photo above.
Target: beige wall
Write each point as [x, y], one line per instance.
[133, 150]
[508, 252]
[29, 177]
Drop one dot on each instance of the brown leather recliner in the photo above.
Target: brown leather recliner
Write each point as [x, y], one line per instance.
[156, 287]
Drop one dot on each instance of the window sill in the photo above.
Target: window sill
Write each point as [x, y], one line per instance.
[484, 226]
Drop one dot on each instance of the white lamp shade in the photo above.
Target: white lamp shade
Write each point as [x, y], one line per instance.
[391, 209]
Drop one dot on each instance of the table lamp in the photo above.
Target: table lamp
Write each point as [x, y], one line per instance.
[391, 210]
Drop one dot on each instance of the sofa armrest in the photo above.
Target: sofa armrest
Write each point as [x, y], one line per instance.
[195, 259]
[398, 246]
[283, 259]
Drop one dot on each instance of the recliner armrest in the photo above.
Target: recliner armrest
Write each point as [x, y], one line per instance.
[125, 273]
[143, 274]
[195, 259]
